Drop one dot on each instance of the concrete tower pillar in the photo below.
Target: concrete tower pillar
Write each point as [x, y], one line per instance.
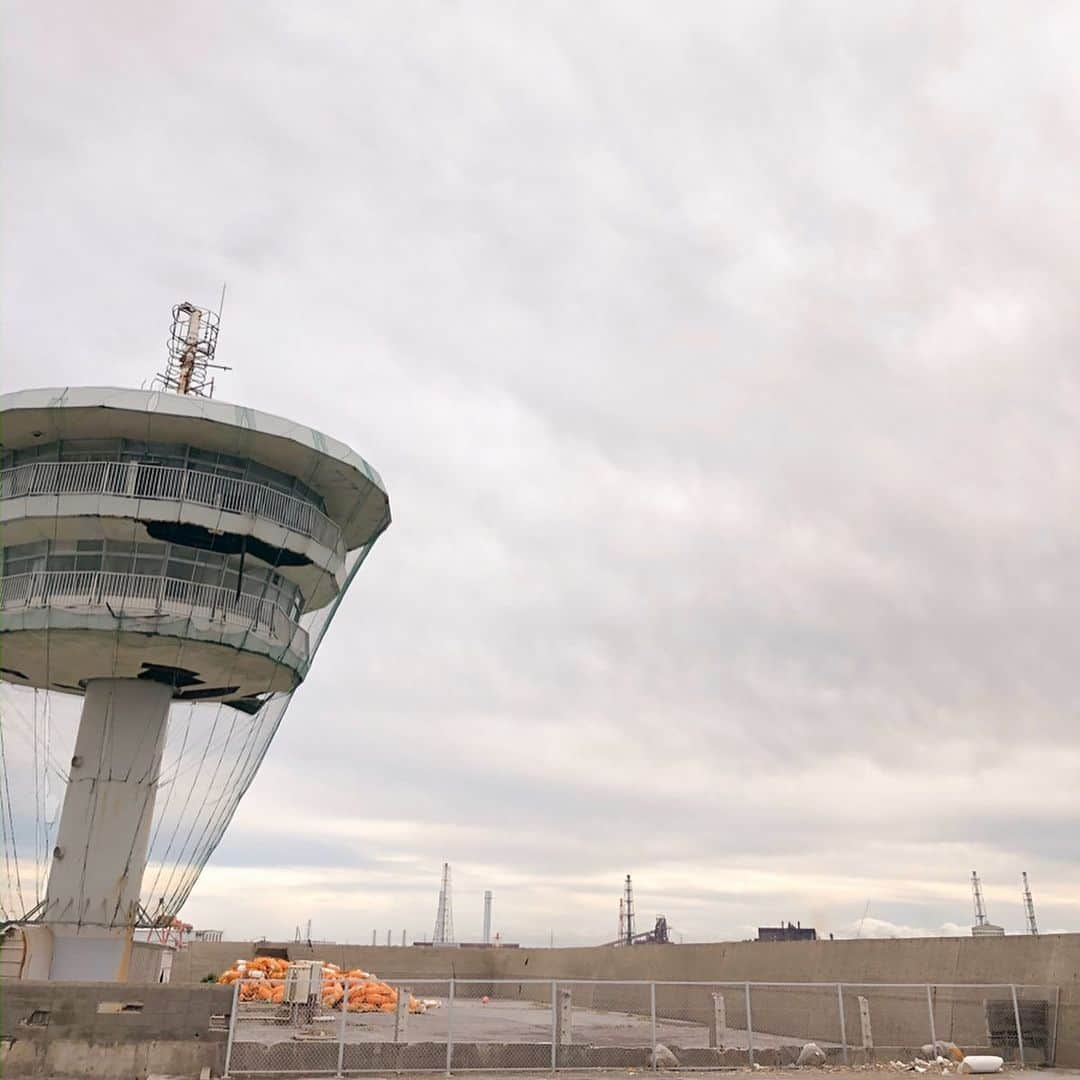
[100, 855]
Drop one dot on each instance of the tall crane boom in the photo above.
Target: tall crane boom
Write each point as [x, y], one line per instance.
[1029, 907]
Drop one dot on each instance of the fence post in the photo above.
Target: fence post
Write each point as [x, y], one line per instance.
[341, 1027]
[232, 1027]
[554, 1024]
[843, 1019]
[749, 1029]
[1019, 1032]
[933, 1026]
[564, 1026]
[867, 1030]
[450, 1026]
[718, 1023]
[401, 1015]
[652, 1020]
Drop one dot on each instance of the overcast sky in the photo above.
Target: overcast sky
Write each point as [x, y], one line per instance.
[721, 364]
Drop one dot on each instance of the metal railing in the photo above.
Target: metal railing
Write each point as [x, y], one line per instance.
[446, 1025]
[139, 480]
[143, 593]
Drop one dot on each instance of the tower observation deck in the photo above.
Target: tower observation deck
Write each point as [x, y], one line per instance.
[173, 561]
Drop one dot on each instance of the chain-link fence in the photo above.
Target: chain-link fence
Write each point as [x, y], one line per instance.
[332, 1024]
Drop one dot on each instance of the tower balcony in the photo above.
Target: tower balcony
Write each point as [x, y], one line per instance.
[175, 503]
[64, 627]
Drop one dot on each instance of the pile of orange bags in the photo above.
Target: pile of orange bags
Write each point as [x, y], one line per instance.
[264, 980]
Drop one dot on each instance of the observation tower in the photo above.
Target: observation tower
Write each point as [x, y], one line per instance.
[169, 563]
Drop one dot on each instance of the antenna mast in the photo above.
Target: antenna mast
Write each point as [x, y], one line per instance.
[444, 915]
[1029, 908]
[980, 907]
[628, 905]
[192, 344]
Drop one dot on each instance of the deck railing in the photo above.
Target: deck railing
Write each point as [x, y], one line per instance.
[142, 594]
[140, 480]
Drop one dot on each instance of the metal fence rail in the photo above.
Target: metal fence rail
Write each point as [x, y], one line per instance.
[139, 480]
[459, 1025]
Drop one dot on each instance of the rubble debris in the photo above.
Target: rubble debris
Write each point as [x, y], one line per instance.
[263, 979]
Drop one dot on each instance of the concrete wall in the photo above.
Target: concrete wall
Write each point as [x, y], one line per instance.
[95, 1029]
[200, 958]
[899, 1016]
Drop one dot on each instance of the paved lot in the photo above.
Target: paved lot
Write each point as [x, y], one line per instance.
[514, 1022]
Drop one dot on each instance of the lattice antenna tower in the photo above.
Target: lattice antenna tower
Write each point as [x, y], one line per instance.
[621, 936]
[1029, 907]
[444, 914]
[628, 904]
[192, 344]
[977, 895]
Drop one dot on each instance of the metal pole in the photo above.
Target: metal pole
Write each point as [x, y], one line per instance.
[554, 1024]
[232, 1026]
[1019, 1033]
[933, 1027]
[1052, 1060]
[450, 1026]
[843, 1019]
[749, 1029]
[652, 1020]
[341, 1028]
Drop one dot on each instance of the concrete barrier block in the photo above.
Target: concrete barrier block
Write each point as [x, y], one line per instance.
[70, 1057]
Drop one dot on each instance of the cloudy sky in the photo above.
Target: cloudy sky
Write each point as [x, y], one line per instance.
[721, 363]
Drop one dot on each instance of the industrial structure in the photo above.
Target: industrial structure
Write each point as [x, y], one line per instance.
[1029, 907]
[787, 931]
[628, 934]
[983, 927]
[444, 912]
[171, 562]
[487, 917]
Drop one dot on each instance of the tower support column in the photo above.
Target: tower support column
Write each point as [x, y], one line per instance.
[97, 869]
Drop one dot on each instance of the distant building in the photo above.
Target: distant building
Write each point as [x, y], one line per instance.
[987, 929]
[787, 932]
[208, 935]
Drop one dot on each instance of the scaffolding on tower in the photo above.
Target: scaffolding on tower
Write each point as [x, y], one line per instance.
[192, 345]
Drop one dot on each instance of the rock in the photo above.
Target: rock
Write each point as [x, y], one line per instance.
[663, 1058]
[948, 1050]
[811, 1054]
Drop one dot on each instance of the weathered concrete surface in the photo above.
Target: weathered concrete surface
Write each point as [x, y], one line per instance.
[109, 1029]
[1051, 959]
